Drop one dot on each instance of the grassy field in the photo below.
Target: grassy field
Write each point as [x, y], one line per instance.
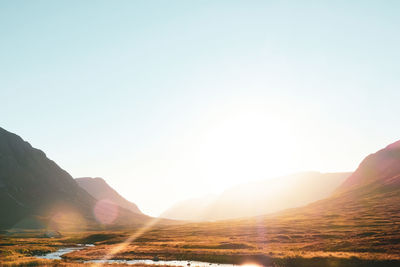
[277, 245]
[335, 232]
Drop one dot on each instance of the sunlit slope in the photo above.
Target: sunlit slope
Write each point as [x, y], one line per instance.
[363, 215]
[99, 189]
[378, 171]
[260, 197]
[361, 219]
[36, 192]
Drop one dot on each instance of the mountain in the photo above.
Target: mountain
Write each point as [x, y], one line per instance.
[192, 209]
[378, 170]
[99, 189]
[360, 220]
[36, 192]
[260, 197]
[362, 215]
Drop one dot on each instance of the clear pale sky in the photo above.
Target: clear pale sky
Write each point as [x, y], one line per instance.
[174, 99]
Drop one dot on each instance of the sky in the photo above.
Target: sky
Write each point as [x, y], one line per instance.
[168, 100]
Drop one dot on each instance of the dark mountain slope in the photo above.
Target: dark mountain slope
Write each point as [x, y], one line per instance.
[99, 189]
[33, 186]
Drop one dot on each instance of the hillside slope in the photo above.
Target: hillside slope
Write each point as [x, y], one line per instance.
[32, 184]
[260, 197]
[36, 192]
[363, 214]
[378, 170]
[99, 189]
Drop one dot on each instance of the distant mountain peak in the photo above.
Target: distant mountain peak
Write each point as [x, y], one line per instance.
[394, 146]
[378, 167]
[100, 189]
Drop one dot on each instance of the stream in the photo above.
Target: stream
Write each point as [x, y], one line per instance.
[57, 256]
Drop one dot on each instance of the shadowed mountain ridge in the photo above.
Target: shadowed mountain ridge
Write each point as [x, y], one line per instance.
[32, 184]
[36, 190]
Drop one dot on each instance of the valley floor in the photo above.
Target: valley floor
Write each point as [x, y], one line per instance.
[213, 242]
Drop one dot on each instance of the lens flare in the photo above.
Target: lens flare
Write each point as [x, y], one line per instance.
[106, 211]
[131, 238]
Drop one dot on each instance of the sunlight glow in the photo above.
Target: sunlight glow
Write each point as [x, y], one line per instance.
[66, 220]
[251, 265]
[240, 141]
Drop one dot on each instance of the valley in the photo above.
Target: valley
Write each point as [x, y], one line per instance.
[357, 225]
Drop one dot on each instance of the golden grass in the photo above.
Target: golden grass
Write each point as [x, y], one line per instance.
[340, 232]
[213, 242]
